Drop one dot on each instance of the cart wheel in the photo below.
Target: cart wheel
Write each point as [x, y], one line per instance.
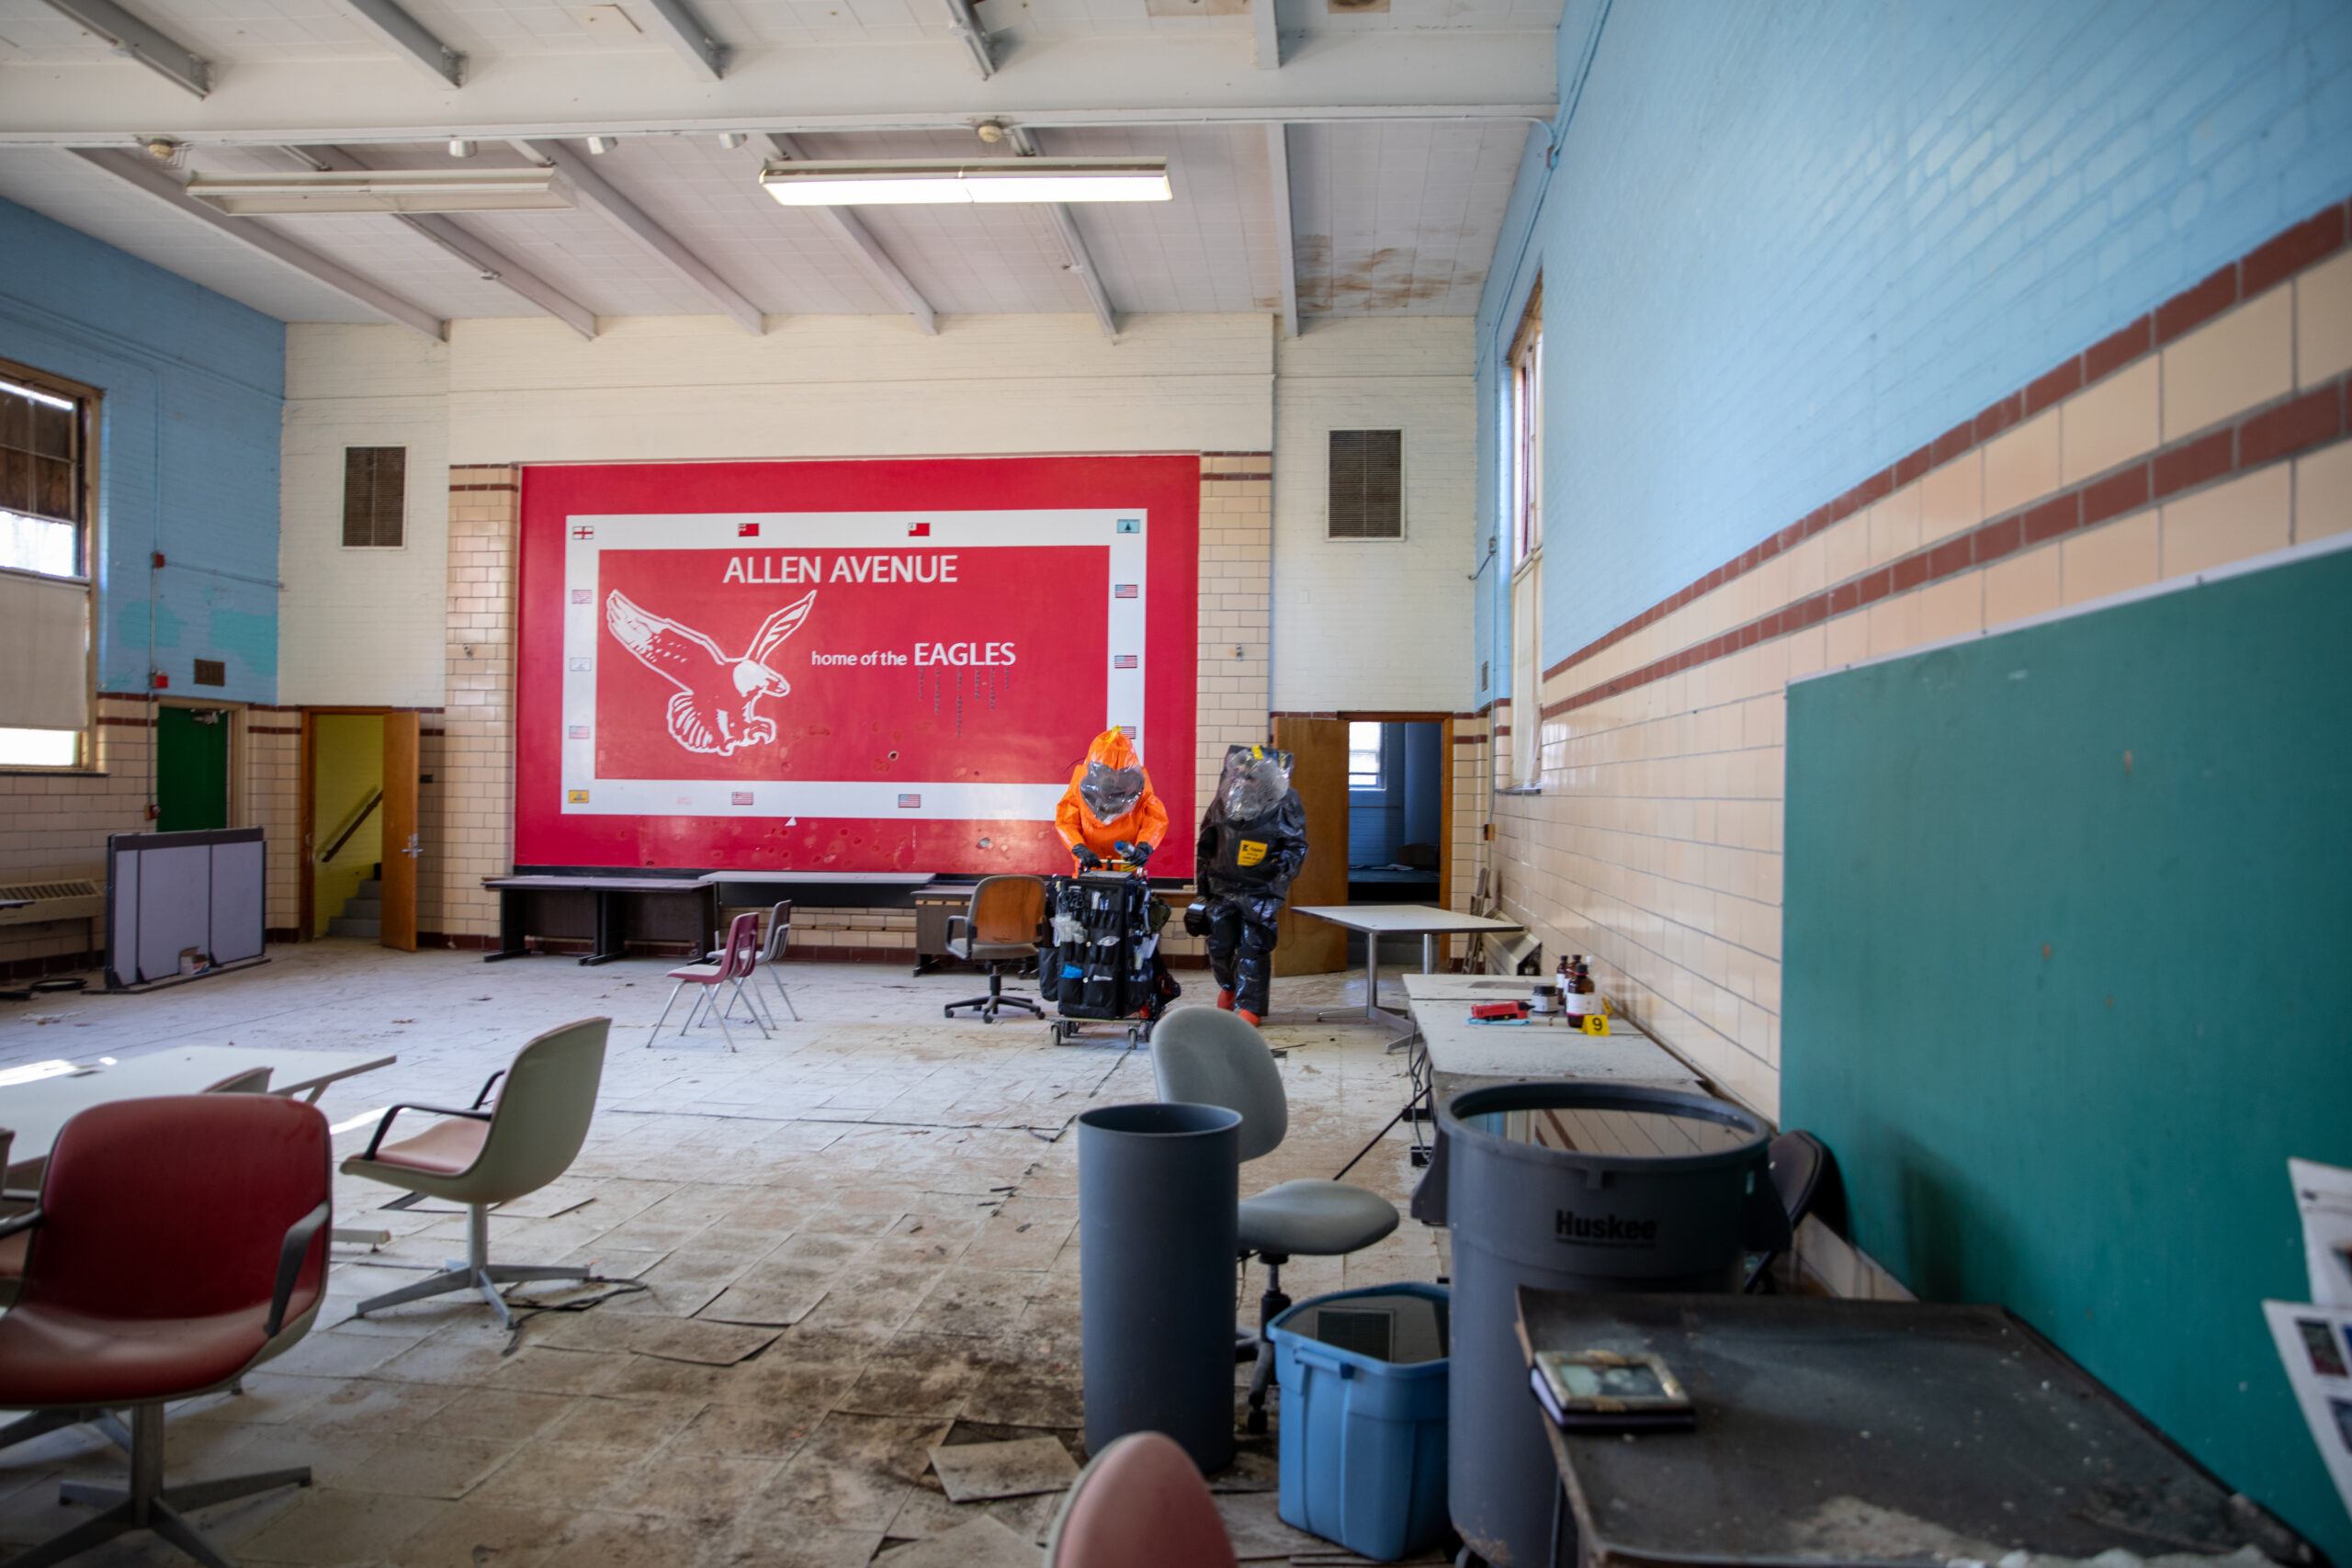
[1257, 1421]
[948, 1012]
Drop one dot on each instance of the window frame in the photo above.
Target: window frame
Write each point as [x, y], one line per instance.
[1379, 755]
[1525, 363]
[90, 402]
[1398, 536]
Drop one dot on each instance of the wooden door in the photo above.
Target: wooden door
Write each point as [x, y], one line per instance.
[402, 848]
[1320, 773]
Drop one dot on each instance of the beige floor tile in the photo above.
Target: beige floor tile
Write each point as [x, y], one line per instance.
[483, 1537]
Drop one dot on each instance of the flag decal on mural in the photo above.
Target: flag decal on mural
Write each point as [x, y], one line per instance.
[579, 732]
[583, 665]
[584, 530]
[740, 797]
[583, 596]
[576, 797]
[1123, 590]
[918, 530]
[911, 803]
[747, 530]
[1122, 661]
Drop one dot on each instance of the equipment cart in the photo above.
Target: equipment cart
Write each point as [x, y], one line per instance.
[1097, 963]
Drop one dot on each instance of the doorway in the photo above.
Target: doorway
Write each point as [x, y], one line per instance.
[360, 827]
[1378, 789]
[192, 769]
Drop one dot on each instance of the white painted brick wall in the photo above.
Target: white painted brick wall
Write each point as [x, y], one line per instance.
[1374, 623]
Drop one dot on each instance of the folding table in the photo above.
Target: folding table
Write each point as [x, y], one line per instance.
[1376, 921]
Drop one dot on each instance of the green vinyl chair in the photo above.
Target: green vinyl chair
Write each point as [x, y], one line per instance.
[481, 1156]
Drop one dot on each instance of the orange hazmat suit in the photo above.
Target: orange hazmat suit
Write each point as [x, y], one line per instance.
[1110, 799]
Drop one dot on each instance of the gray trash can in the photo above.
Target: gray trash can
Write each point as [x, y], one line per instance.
[1159, 1190]
[1576, 1186]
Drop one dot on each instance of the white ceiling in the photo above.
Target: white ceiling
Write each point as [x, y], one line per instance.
[1389, 216]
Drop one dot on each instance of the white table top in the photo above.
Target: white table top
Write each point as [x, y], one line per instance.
[1474, 987]
[1401, 919]
[1458, 1047]
[35, 1110]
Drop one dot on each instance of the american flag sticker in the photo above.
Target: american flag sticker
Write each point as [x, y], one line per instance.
[918, 530]
[583, 531]
[583, 596]
[740, 797]
[1122, 661]
[747, 530]
[578, 732]
[911, 803]
[1130, 525]
[581, 665]
[576, 797]
[1123, 590]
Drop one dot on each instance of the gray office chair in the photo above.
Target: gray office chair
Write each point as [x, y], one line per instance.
[1200, 1055]
[481, 1156]
[997, 927]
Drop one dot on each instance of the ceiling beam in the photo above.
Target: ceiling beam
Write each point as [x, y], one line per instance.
[1113, 80]
[411, 39]
[164, 55]
[494, 265]
[1082, 261]
[857, 242]
[967, 23]
[156, 181]
[596, 193]
[1270, 37]
[1285, 242]
[692, 38]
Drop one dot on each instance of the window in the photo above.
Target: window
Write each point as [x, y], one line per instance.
[46, 427]
[1366, 496]
[1526, 432]
[375, 486]
[1364, 756]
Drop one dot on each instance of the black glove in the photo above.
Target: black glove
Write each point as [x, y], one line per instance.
[1140, 852]
[1087, 859]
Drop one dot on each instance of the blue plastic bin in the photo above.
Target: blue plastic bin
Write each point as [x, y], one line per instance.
[1363, 1404]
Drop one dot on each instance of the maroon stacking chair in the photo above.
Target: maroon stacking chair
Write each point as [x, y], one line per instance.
[179, 1243]
[738, 956]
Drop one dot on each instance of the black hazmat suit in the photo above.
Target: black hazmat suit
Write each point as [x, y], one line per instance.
[1254, 840]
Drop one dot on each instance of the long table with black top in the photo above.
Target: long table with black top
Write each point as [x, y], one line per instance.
[1850, 1432]
[610, 911]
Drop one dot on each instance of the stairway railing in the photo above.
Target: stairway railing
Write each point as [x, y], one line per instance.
[373, 799]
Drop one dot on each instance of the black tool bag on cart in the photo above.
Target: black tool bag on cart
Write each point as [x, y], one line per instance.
[1097, 961]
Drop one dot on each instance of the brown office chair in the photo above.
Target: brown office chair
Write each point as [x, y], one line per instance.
[998, 927]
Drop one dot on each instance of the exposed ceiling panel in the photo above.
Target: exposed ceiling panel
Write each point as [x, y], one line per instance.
[1398, 220]
[60, 186]
[1212, 249]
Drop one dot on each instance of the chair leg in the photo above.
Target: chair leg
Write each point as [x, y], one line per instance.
[147, 1504]
[737, 996]
[665, 1014]
[1271, 1305]
[474, 1272]
[24, 1428]
[782, 990]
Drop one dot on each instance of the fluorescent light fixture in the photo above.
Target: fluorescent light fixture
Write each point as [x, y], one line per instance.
[932, 181]
[384, 190]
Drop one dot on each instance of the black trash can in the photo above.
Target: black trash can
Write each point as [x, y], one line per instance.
[1158, 1188]
[1576, 1186]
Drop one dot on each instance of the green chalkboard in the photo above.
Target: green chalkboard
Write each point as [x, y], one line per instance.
[2069, 975]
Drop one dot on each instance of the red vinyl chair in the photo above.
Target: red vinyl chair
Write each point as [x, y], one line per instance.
[1139, 1504]
[736, 957]
[179, 1243]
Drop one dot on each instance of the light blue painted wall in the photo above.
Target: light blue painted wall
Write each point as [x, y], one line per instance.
[194, 387]
[1785, 244]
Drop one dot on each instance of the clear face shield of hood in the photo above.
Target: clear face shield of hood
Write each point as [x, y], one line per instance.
[1110, 792]
[1256, 779]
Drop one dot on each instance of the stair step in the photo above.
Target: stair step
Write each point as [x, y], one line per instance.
[371, 888]
[341, 925]
[363, 909]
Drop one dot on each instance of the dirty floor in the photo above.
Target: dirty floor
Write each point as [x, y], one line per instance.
[855, 1241]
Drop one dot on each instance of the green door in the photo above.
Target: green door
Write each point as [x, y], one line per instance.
[191, 770]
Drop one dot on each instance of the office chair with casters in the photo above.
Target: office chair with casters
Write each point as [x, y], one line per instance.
[180, 1242]
[1798, 1162]
[739, 953]
[481, 1156]
[1200, 1055]
[1139, 1504]
[999, 927]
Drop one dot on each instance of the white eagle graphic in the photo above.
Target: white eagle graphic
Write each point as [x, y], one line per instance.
[714, 710]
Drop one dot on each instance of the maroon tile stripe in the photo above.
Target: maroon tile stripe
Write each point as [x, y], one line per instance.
[2271, 263]
[2277, 430]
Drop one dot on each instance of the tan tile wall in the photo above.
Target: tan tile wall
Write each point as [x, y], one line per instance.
[1656, 842]
[472, 798]
[1236, 564]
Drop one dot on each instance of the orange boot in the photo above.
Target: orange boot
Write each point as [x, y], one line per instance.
[1247, 1017]
[1224, 1002]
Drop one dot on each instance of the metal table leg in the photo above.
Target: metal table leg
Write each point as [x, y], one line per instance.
[1371, 977]
[512, 941]
[608, 922]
